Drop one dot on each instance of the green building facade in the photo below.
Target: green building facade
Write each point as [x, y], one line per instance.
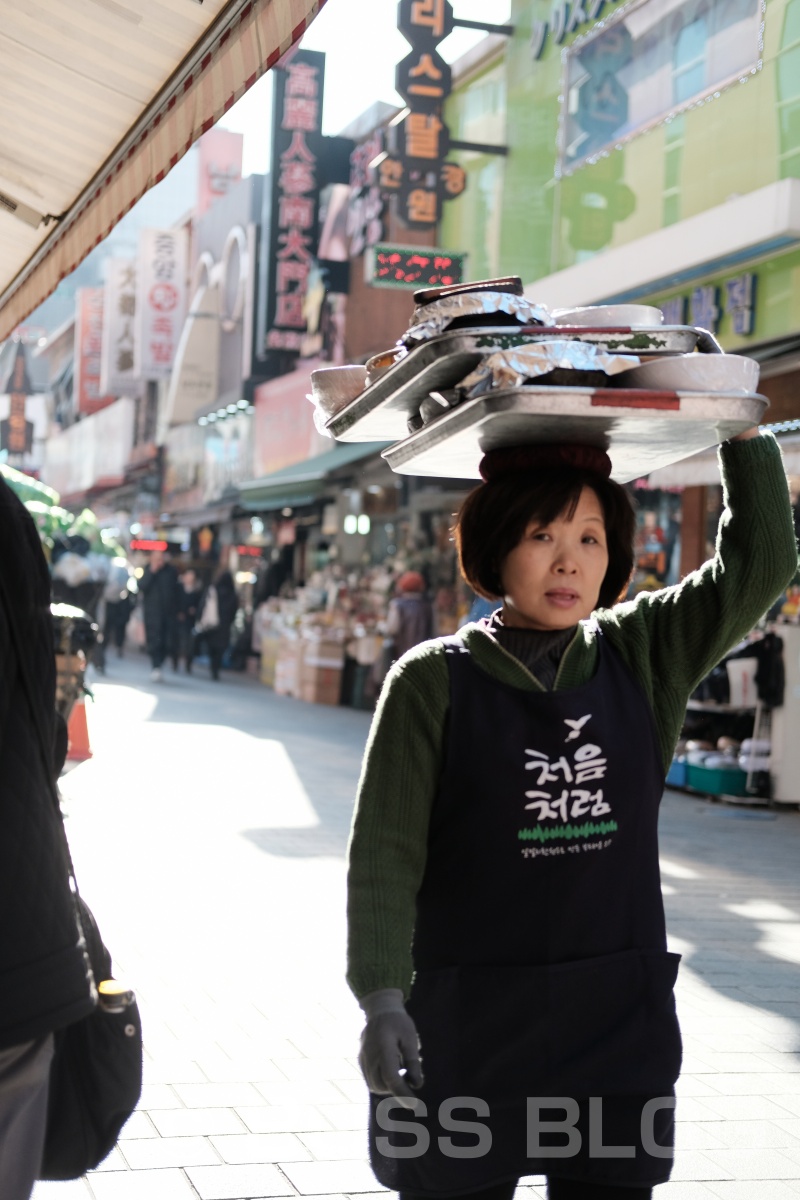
[653, 155]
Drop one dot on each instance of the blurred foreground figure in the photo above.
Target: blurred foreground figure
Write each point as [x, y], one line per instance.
[44, 983]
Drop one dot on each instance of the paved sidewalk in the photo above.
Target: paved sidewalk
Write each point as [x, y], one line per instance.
[209, 832]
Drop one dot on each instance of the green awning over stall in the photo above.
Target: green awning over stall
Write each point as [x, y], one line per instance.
[28, 488]
[305, 482]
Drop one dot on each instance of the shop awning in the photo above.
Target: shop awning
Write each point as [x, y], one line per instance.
[304, 482]
[101, 98]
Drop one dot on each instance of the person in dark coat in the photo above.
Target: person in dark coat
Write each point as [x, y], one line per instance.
[44, 983]
[189, 599]
[161, 596]
[217, 611]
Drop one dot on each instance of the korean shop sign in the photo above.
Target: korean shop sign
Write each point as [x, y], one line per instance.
[415, 170]
[117, 374]
[706, 305]
[295, 184]
[413, 267]
[89, 316]
[566, 17]
[365, 212]
[160, 300]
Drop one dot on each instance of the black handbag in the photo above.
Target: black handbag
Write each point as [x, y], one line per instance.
[95, 1075]
[96, 1070]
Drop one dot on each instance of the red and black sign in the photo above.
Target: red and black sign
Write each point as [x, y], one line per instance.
[294, 224]
[16, 433]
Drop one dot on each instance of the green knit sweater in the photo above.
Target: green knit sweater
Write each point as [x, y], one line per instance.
[669, 640]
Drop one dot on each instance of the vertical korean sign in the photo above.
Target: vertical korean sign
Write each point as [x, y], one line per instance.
[90, 308]
[160, 300]
[117, 361]
[294, 227]
[416, 171]
[16, 433]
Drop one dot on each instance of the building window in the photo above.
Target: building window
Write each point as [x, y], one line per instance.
[789, 93]
[656, 59]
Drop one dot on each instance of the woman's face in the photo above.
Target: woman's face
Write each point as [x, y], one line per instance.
[552, 578]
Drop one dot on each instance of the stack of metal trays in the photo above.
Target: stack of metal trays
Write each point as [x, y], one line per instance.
[383, 410]
[482, 367]
[641, 429]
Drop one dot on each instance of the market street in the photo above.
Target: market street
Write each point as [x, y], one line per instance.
[209, 833]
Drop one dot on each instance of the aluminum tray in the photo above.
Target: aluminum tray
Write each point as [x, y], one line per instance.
[381, 412]
[641, 430]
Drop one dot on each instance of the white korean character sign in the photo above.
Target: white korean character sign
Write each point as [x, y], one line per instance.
[294, 223]
[117, 360]
[160, 300]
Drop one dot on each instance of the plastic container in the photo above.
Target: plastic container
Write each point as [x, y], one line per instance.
[717, 781]
[676, 775]
[751, 763]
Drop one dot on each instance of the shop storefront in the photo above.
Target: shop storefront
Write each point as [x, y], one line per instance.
[662, 167]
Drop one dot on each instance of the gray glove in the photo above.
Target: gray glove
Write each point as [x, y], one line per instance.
[389, 1056]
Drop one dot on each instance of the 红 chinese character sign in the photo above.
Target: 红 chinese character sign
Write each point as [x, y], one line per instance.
[416, 171]
[117, 374]
[160, 300]
[89, 316]
[294, 226]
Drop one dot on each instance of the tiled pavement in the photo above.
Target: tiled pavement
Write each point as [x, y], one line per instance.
[208, 833]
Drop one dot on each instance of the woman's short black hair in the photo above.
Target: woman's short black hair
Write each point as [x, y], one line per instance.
[493, 519]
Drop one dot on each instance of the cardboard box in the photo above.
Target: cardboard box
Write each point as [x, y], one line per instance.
[269, 658]
[287, 667]
[320, 685]
[323, 652]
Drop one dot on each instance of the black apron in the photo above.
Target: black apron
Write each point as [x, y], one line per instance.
[541, 968]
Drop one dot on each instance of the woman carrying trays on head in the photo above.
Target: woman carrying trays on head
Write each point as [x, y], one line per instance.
[505, 908]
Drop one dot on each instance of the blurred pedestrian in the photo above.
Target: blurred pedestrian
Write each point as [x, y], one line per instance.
[188, 607]
[119, 604]
[161, 594]
[43, 978]
[217, 611]
[410, 617]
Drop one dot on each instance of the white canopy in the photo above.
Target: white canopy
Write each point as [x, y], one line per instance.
[100, 99]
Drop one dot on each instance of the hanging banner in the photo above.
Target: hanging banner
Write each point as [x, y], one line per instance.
[161, 300]
[194, 384]
[88, 395]
[295, 181]
[117, 359]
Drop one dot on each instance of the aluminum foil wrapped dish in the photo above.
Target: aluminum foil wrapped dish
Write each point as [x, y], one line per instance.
[560, 363]
[473, 310]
